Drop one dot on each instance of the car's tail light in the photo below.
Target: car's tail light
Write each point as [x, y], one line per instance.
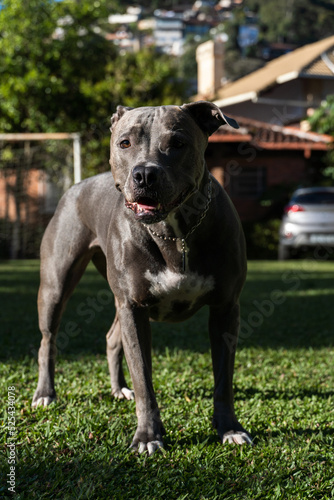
[293, 208]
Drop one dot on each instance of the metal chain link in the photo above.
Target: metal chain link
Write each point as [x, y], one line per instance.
[191, 230]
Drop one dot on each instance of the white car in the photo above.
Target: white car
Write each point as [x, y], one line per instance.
[308, 221]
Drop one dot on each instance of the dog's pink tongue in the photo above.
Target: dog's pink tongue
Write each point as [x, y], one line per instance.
[144, 206]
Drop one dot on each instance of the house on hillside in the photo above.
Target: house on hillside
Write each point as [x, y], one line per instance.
[281, 91]
[272, 148]
[260, 163]
[173, 27]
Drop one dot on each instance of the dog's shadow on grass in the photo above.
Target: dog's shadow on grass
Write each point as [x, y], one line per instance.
[301, 317]
[199, 440]
[288, 434]
[298, 318]
[286, 395]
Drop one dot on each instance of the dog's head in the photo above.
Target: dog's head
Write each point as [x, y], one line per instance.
[157, 154]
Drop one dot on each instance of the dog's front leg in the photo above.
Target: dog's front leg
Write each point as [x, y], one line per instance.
[223, 329]
[136, 337]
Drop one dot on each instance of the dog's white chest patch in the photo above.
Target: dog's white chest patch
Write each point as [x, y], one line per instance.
[177, 293]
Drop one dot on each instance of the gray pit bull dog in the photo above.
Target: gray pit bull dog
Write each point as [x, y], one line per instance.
[167, 238]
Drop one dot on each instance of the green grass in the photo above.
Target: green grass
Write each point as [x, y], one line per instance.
[77, 448]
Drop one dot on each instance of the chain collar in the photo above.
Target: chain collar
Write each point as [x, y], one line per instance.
[191, 230]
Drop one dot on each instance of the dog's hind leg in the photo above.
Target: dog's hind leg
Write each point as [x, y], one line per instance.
[115, 354]
[115, 357]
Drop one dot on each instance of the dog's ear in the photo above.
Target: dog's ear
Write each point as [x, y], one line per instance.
[120, 110]
[208, 116]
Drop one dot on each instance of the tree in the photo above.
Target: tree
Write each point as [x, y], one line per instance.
[291, 21]
[46, 50]
[322, 121]
[238, 61]
[294, 21]
[59, 73]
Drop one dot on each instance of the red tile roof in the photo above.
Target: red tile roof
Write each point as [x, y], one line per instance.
[270, 136]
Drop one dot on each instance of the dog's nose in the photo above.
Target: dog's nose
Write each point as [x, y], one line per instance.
[145, 176]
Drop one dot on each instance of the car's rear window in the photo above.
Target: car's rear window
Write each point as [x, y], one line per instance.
[318, 198]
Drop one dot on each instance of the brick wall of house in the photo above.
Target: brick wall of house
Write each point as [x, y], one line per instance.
[226, 161]
[27, 194]
[23, 216]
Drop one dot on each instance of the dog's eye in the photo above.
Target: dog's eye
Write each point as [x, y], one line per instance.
[125, 144]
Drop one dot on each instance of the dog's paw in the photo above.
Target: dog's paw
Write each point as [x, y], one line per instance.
[42, 401]
[150, 447]
[124, 393]
[237, 437]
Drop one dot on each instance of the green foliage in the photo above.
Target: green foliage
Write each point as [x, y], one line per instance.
[237, 66]
[141, 78]
[187, 64]
[77, 447]
[265, 236]
[40, 75]
[236, 63]
[322, 121]
[59, 73]
[296, 21]
[262, 239]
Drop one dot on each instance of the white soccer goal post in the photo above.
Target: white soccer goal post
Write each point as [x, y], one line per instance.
[52, 136]
[35, 170]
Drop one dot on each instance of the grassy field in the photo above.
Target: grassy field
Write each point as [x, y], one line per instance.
[77, 448]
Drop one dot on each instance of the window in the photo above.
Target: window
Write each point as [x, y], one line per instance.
[249, 183]
[315, 198]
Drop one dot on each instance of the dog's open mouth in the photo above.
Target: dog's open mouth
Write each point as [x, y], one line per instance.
[150, 210]
[144, 206]
[147, 210]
